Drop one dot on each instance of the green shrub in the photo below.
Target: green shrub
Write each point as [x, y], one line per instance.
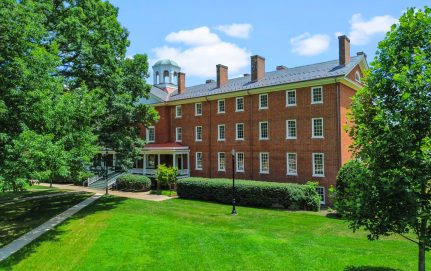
[133, 182]
[251, 193]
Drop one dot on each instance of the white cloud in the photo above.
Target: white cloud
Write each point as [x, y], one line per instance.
[200, 58]
[361, 30]
[198, 36]
[310, 45]
[236, 30]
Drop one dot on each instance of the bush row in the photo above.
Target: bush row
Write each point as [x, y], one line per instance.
[251, 193]
[133, 182]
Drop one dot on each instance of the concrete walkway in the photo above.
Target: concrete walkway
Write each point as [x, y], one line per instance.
[24, 240]
[131, 195]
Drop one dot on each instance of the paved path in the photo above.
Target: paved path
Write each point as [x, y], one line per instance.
[132, 195]
[24, 240]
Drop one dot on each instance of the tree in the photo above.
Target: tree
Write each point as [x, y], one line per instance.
[166, 176]
[392, 137]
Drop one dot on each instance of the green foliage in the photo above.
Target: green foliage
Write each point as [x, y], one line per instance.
[392, 136]
[133, 182]
[251, 193]
[66, 82]
[166, 175]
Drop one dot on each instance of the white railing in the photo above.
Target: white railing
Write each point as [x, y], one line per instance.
[136, 170]
[93, 179]
[183, 172]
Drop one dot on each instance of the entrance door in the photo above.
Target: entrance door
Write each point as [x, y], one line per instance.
[179, 161]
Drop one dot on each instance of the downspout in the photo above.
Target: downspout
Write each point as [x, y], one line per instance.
[210, 145]
[251, 132]
[338, 123]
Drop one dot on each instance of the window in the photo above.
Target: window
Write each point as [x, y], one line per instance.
[291, 97]
[221, 106]
[358, 76]
[198, 133]
[178, 134]
[178, 111]
[291, 164]
[264, 162]
[198, 109]
[239, 104]
[317, 127]
[321, 191]
[239, 131]
[221, 132]
[221, 161]
[240, 162]
[263, 101]
[151, 161]
[151, 134]
[290, 129]
[198, 161]
[316, 95]
[318, 165]
[263, 130]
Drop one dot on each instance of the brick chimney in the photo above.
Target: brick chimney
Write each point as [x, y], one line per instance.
[221, 75]
[344, 50]
[257, 68]
[181, 83]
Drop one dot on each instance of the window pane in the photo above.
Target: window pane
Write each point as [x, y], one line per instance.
[221, 161]
[291, 97]
[221, 132]
[239, 131]
[318, 127]
[264, 162]
[240, 161]
[263, 101]
[263, 130]
[221, 106]
[240, 104]
[317, 95]
[291, 163]
[291, 128]
[318, 164]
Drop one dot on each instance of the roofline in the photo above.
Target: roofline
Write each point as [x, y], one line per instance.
[267, 89]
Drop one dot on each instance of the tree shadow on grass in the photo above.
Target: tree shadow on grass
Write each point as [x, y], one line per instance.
[105, 203]
[369, 268]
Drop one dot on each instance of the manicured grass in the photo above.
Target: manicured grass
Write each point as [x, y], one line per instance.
[164, 192]
[20, 215]
[125, 234]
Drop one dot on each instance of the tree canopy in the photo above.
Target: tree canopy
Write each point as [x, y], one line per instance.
[67, 89]
[392, 138]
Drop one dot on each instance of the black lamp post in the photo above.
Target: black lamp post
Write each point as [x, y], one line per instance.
[233, 182]
[106, 171]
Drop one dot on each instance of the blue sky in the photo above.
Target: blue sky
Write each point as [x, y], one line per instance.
[200, 34]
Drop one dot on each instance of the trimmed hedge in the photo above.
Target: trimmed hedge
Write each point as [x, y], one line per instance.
[251, 193]
[133, 182]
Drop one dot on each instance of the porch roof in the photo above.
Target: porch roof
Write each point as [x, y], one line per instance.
[165, 146]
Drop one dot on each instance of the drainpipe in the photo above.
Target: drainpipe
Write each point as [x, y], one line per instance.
[210, 145]
[251, 132]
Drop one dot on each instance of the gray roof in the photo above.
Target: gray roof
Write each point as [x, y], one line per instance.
[291, 75]
[165, 62]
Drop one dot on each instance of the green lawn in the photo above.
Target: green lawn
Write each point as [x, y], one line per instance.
[19, 216]
[125, 234]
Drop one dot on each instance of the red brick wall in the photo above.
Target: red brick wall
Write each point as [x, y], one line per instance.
[346, 95]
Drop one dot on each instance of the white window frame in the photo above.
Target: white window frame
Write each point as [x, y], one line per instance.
[358, 77]
[178, 134]
[287, 129]
[180, 111]
[196, 161]
[287, 97]
[218, 106]
[148, 134]
[237, 164]
[314, 165]
[322, 189]
[260, 130]
[313, 135]
[312, 95]
[261, 154]
[260, 101]
[287, 164]
[196, 133]
[196, 109]
[219, 159]
[236, 104]
[236, 131]
[224, 132]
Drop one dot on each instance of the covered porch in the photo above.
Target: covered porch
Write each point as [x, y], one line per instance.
[170, 154]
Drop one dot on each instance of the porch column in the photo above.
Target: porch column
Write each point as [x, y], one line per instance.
[158, 160]
[188, 163]
[174, 163]
[144, 166]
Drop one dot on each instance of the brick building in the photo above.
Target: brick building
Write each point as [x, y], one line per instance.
[284, 125]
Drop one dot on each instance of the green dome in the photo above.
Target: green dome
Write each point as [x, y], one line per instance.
[166, 62]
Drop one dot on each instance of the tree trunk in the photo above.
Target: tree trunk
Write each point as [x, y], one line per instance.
[421, 263]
